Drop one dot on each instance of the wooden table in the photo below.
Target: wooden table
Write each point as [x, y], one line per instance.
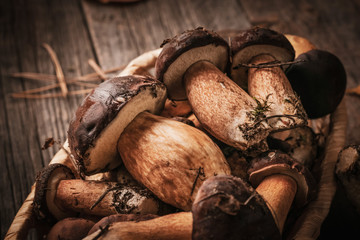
[112, 35]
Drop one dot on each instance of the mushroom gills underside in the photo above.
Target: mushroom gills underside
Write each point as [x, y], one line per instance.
[245, 55]
[105, 147]
[217, 55]
[303, 190]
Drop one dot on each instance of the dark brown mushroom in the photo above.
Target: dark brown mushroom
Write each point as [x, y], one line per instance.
[280, 106]
[58, 195]
[103, 115]
[281, 180]
[191, 65]
[70, 229]
[228, 208]
[319, 80]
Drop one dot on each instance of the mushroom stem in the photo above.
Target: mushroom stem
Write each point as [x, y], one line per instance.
[278, 191]
[102, 198]
[271, 87]
[176, 226]
[223, 108]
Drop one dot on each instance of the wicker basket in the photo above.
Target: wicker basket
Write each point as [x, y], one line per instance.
[307, 226]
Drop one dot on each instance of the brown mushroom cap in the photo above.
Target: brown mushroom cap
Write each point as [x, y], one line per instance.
[253, 42]
[70, 229]
[104, 114]
[228, 208]
[47, 181]
[276, 162]
[300, 44]
[182, 51]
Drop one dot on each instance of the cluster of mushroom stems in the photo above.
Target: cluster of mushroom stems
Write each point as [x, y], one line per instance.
[173, 162]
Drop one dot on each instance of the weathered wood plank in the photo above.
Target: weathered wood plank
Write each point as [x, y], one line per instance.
[25, 124]
[135, 28]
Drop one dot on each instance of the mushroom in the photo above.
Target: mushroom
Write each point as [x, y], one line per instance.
[106, 221]
[226, 207]
[177, 226]
[70, 229]
[191, 65]
[299, 143]
[58, 195]
[103, 115]
[170, 158]
[300, 44]
[176, 109]
[319, 80]
[278, 104]
[347, 172]
[282, 182]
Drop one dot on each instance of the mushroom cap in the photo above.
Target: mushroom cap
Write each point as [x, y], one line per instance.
[255, 41]
[300, 44]
[70, 229]
[276, 162]
[228, 208]
[103, 115]
[182, 51]
[47, 181]
[320, 82]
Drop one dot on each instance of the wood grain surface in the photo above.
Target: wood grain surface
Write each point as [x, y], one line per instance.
[113, 34]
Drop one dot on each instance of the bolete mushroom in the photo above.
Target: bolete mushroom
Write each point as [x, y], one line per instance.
[177, 226]
[347, 172]
[104, 113]
[300, 44]
[320, 81]
[58, 195]
[299, 143]
[70, 229]
[226, 207]
[106, 221]
[170, 158]
[253, 51]
[191, 65]
[282, 182]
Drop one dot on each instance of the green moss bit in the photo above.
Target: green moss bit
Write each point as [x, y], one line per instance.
[262, 107]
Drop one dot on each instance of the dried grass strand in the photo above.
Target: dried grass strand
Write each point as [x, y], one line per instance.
[58, 70]
[97, 69]
[34, 76]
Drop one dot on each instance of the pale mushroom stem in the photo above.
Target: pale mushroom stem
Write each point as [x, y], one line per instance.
[101, 198]
[273, 90]
[176, 226]
[278, 191]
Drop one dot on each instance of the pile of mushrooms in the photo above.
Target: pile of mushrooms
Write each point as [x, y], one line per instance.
[212, 111]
